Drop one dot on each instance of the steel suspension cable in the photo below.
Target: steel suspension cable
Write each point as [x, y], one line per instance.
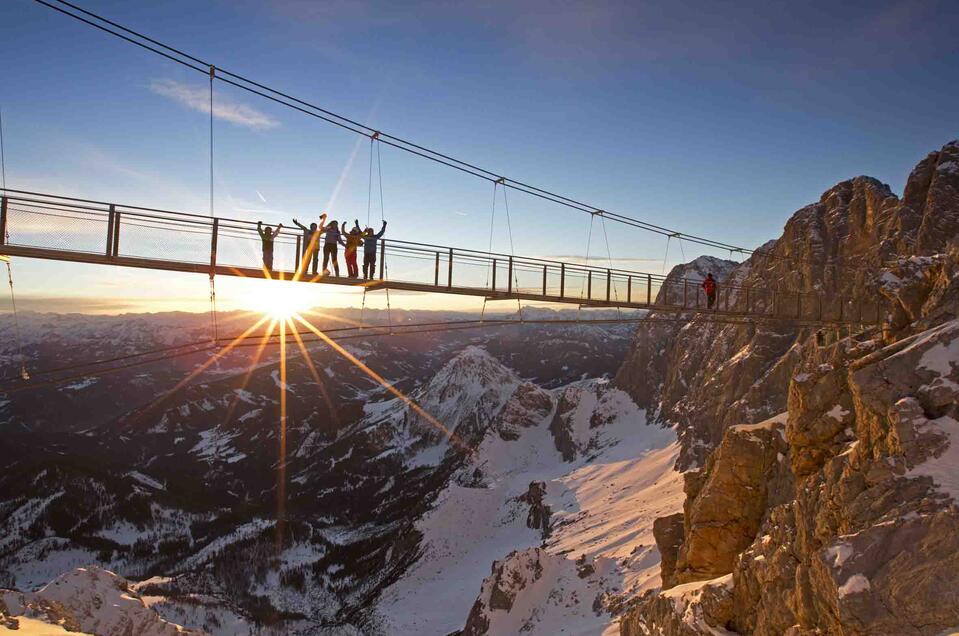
[3, 161]
[213, 316]
[609, 254]
[16, 323]
[512, 252]
[341, 121]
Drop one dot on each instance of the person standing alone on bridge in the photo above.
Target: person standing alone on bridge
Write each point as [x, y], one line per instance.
[709, 286]
[333, 239]
[369, 250]
[266, 239]
[353, 240]
[311, 236]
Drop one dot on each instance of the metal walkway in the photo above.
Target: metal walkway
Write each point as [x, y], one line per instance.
[45, 226]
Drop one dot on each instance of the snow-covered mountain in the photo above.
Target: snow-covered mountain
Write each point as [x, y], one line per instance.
[751, 479]
[181, 493]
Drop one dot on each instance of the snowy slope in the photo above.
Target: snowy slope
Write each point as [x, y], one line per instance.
[604, 503]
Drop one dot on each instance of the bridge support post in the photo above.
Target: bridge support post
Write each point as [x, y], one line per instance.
[509, 276]
[589, 284]
[609, 283]
[544, 280]
[216, 234]
[449, 274]
[116, 233]
[562, 279]
[436, 271]
[111, 220]
[629, 289]
[494, 275]
[296, 257]
[649, 289]
[3, 220]
[382, 257]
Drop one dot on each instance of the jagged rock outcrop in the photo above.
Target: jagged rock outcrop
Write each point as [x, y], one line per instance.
[509, 577]
[539, 511]
[93, 601]
[692, 609]
[669, 533]
[859, 530]
[725, 506]
[706, 377]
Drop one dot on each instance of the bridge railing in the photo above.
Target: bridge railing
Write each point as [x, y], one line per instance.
[117, 232]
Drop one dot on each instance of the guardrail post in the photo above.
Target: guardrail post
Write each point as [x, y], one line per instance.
[116, 233]
[213, 239]
[3, 220]
[494, 275]
[296, 258]
[544, 280]
[509, 276]
[562, 279]
[449, 274]
[111, 219]
[589, 284]
[629, 289]
[382, 257]
[649, 289]
[436, 271]
[609, 283]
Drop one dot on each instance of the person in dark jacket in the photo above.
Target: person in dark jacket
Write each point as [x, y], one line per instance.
[333, 239]
[709, 286]
[370, 241]
[266, 240]
[353, 240]
[309, 248]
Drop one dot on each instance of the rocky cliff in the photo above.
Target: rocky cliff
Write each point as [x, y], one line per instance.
[826, 502]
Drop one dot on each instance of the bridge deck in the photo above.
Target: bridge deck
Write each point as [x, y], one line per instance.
[34, 225]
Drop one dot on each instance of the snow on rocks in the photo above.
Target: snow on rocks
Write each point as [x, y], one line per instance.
[94, 601]
[603, 490]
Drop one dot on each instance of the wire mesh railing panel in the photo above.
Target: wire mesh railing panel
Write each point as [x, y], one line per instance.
[30, 225]
[145, 237]
[415, 266]
[477, 273]
[528, 279]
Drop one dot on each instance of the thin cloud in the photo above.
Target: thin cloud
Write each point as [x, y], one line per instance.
[197, 98]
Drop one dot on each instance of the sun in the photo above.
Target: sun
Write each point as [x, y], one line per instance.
[280, 299]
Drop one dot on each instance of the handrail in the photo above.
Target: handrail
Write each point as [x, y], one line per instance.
[600, 284]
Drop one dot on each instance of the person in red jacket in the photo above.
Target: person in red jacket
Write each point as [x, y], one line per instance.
[709, 286]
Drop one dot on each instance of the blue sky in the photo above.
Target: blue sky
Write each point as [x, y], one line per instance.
[713, 119]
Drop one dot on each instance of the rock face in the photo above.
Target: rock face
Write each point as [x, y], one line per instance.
[725, 505]
[705, 377]
[840, 517]
[539, 511]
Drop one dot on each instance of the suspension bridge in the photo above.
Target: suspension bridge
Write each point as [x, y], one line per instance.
[47, 226]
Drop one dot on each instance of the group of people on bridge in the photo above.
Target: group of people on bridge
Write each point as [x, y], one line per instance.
[334, 236]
